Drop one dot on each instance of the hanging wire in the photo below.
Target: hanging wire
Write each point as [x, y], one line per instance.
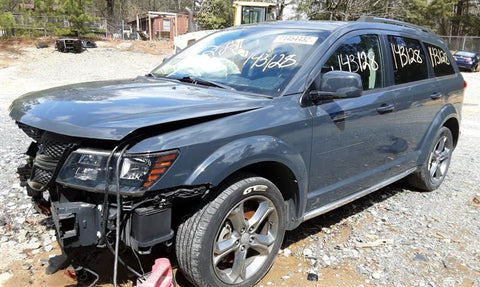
[119, 212]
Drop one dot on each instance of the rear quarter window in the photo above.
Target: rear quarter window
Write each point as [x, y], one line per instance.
[409, 61]
[439, 59]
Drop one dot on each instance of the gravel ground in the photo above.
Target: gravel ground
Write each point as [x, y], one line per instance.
[394, 237]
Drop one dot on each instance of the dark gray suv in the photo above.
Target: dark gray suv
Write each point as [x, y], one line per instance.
[246, 134]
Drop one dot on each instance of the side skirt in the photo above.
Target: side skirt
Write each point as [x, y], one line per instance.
[331, 206]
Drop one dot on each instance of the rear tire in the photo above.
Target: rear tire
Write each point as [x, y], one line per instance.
[233, 240]
[432, 173]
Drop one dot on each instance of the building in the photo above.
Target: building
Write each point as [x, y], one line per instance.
[160, 25]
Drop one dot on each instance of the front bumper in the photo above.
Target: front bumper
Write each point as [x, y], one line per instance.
[465, 66]
[84, 217]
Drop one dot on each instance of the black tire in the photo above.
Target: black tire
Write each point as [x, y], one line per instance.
[246, 219]
[432, 173]
[61, 46]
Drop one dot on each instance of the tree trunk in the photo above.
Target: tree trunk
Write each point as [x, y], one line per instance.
[458, 12]
[110, 9]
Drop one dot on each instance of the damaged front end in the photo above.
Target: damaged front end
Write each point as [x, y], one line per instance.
[97, 190]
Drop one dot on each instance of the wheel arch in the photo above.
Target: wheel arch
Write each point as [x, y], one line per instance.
[448, 117]
[284, 179]
[454, 126]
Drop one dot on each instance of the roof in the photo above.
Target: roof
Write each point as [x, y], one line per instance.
[310, 25]
[157, 14]
[363, 23]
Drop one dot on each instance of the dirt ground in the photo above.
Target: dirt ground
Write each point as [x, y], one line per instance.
[431, 238]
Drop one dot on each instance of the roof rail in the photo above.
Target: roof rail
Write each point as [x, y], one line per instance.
[393, 22]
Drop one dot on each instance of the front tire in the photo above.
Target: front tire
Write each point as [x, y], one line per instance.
[431, 174]
[233, 240]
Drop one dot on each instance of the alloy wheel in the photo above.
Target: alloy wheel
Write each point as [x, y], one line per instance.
[440, 158]
[245, 239]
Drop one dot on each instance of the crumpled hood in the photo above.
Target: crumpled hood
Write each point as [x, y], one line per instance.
[113, 109]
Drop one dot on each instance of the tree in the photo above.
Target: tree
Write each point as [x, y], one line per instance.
[6, 21]
[9, 5]
[345, 10]
[76, 15]
[215, 14]
[445, 17]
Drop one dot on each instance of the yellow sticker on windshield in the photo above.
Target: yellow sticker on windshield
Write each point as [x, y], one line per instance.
[296, 39]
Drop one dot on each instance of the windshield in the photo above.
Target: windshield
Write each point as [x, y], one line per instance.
[253, 60]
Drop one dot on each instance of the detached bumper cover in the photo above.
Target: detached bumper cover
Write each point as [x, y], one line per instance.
[77, 223]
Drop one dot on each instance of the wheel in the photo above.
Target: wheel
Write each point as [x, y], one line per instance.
[233, 240]
[433, 172]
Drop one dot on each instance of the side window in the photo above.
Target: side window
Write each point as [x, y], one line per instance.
[440, 62]
[359, 54]
[409, 63]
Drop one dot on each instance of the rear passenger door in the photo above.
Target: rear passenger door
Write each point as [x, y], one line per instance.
[418, 95]
[352, 137]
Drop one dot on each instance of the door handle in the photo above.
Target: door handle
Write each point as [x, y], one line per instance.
[340, 118]
[436, 96]
[383, 109]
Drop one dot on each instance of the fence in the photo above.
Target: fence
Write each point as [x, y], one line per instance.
[469, 43]
[123, 31]
[25, 24]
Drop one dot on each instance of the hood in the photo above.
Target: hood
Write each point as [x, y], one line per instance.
[113, 109]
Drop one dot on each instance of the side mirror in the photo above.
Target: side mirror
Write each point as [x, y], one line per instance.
[338, 85]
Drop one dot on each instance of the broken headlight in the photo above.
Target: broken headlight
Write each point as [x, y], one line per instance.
[86, 169]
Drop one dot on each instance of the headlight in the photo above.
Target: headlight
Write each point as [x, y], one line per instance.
[86, 168]
[145, 169]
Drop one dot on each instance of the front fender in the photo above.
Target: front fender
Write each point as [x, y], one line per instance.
[243, 152]
[240, 153]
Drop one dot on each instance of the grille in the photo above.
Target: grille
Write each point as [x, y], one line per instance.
[34, 133]
[42, 176]
[50, 152]
[52, 149]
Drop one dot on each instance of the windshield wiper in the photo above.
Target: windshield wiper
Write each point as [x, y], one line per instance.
[197, 81]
